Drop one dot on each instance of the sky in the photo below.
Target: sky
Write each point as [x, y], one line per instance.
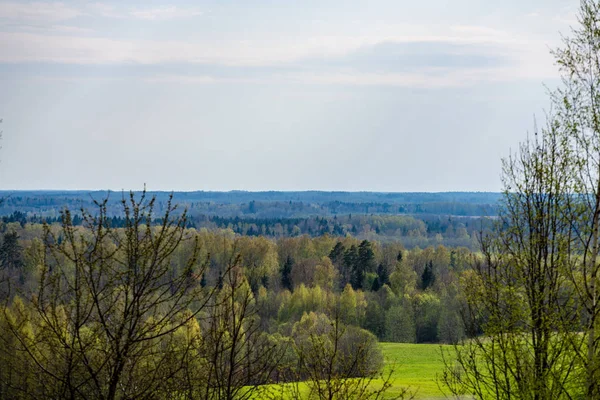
[378, 95]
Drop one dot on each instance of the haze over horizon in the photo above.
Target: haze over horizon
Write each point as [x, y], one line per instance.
[248, 95]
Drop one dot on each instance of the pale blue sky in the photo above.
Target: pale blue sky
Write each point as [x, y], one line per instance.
[285, 95]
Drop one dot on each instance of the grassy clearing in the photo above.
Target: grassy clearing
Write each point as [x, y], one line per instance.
[416, 366]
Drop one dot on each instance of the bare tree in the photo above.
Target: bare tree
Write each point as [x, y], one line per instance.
[522, 314]
[577, 103]
[240, 358]
[107, 318]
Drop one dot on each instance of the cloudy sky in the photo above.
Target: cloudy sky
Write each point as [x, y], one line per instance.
[381, 95]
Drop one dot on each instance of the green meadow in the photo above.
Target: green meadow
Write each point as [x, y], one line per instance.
[416, 366]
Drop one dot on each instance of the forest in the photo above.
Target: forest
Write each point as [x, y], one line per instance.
[237, 312]
[288, 295]
[422, 220]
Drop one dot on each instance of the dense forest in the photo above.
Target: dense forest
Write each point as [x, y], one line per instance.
[297, 275]
[261, 296]
[414, 219]
[272, 287]
[268, 204]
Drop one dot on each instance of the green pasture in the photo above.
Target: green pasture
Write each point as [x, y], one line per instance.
[415, 366]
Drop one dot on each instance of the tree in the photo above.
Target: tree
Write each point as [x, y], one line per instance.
[383, 277]
[286, 273]
[109, 316]
[348, 266]
[404, 279]
[11, 251]
[400, 324]
[518, 293]
[428, 276]
[363, 263]
[450, 327]
[578, 113]
[375, 318]
[239, 357]
[556, 210]
[427, 312]
[337, 254]
[11, 262]
[338, 362]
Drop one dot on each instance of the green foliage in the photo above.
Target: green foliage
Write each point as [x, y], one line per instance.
[427, 314]
[286, 273]
[400, 324]
[428, 276]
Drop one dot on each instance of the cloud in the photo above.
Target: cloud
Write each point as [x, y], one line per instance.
[403, 56]
[47, 11]
[397, 55]
[164, 13]
[53, 29]
[38, 11]
[257, 51]
[426, 78]
[103, 10]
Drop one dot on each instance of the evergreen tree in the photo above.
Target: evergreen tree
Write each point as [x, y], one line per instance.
[428, 277]
[348, 267]
[11, 251]
[337, 254]
[376, 285]
[286, 273]
[383, 274]
[363, 263]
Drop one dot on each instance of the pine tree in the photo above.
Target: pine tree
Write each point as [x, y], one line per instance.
[11, 252]
[337, 254]
[364, 263]
[428, 277]
[383, 274]
[286, 273]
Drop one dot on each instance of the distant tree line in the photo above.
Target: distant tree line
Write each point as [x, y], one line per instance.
[269, 204]
[412, 231]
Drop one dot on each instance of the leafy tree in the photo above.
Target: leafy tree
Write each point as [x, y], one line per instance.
[375, 318]
[352, 305]
[450, 326]
[400, 324]
[403, 280]
[326, 275]
[427, 314]
[330, 353]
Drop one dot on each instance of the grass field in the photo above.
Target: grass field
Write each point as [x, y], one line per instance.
[415, 366]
